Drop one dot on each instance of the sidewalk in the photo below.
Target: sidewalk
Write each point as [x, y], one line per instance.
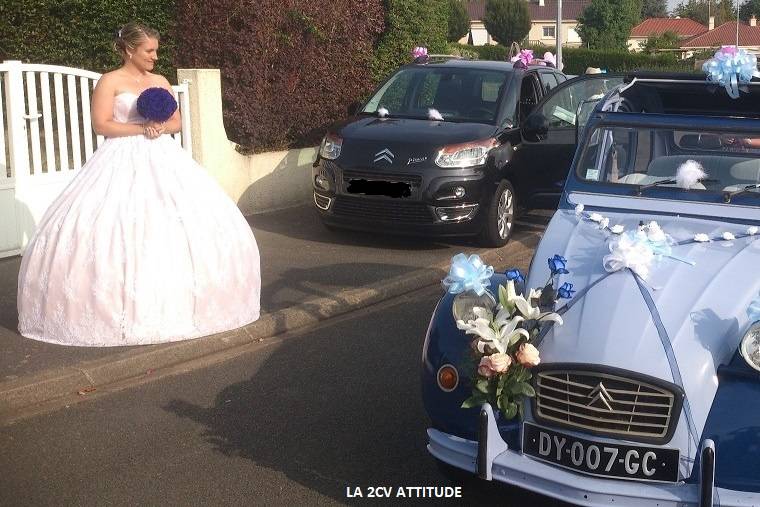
[308, 274]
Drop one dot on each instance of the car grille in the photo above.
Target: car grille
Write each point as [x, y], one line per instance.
[391, 210]
[607, 404]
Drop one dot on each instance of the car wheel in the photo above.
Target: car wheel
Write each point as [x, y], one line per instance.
[499, 217]
[455, 475]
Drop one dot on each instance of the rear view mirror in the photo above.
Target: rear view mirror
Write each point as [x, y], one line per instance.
[535, 127]
[353, 108]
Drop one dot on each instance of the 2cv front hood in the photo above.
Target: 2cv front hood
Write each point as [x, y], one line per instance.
[702, 307]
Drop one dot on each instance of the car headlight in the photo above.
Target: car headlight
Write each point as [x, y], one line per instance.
[463, 305]
[465, 154]
[330, 147]
[750, 346]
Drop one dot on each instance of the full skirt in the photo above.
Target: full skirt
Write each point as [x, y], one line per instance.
[141, 247]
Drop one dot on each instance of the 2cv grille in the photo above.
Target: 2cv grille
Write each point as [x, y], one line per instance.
[614, 404]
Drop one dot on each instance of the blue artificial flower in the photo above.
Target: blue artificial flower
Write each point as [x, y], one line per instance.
[156, 104]
[566, 291]
[557, 265]
[514, 274]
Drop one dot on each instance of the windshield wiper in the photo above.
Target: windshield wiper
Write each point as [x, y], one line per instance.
[641, 188]
[728, 195]
[670, 181]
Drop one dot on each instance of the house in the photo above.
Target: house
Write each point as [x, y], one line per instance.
[725, 35]
[685, 28]
[543, 15]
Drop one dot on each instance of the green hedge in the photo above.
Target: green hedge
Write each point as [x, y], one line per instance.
[410, 23]
[79, 33]
[576, 60]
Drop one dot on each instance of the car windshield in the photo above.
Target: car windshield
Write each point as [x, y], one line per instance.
[458, 94]
[650, 160]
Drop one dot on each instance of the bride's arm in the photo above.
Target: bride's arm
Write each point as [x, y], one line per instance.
[102, 112]
[173, 124]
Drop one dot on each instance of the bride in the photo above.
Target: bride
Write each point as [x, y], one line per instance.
[142, 246]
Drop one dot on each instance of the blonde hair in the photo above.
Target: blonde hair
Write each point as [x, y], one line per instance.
[131, 35]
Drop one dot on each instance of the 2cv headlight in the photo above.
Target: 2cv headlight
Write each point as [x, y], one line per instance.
[750, 346]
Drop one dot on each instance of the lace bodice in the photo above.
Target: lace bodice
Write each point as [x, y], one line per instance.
[125, 108]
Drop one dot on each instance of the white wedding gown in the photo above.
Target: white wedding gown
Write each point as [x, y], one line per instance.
[141, 247]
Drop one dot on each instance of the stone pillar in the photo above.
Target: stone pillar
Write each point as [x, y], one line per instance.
[211, 148]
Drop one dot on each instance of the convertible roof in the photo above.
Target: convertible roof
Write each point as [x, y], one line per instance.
[688, 94]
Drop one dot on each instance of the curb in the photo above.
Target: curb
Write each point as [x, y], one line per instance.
[49, 385]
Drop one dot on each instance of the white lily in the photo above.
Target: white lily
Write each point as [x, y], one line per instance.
[525, 307]
[497, 333]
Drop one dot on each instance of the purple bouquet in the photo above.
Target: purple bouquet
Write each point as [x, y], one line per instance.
[156, 104]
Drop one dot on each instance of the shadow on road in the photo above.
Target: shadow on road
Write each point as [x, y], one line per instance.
[339, 407]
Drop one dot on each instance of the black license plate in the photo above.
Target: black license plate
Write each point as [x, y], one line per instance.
[373, 187]
[601, 458]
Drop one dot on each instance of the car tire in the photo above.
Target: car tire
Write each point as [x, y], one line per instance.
[499, 217]
[455, 475]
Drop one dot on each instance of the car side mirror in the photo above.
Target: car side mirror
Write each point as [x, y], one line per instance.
[535, 127]
[353, 108]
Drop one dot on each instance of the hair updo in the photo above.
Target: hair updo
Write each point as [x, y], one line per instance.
[131, 35]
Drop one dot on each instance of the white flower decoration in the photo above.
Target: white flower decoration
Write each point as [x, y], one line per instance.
[752, 230]
[434, 114]
[604, 223]
[655, 232]
[617, 229]
[526, 308]
[701, 238]
[507, 333]
[579, 209]
[728, 236]
[596, 217]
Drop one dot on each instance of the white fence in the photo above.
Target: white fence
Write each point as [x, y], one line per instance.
[45, 138]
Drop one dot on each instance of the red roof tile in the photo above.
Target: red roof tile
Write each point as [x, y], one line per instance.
[683, 27]
[725, 35]
[571, 9]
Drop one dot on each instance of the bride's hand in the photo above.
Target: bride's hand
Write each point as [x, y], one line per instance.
[148, 131]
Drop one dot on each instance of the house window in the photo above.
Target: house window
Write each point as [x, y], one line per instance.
[549, 31]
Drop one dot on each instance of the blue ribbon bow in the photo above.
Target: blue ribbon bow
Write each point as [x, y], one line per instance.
[731, 67]
[468, 273]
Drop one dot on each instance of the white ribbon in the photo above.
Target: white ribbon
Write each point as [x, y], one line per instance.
[629, 252]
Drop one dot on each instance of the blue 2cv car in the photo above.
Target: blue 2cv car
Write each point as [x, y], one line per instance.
[631, 377]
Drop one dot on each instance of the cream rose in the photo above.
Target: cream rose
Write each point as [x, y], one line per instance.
[484, 368]
[495, 363]
[500, 362]
[528, 355]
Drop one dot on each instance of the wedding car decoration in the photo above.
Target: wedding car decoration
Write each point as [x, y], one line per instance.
[419, 51]
[731, 67]
[644, 394]
[501, 350]
[156, 104]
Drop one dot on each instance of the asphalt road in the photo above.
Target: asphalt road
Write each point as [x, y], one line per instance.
[296, 420]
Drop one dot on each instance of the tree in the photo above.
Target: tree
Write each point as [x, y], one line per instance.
[459, 20]
[409, 23]
[507, 21]
[721, 10]
[607, 23]
[667, 40]
[748, 9]
[654, 9]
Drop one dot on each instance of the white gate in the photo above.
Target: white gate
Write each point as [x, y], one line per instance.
[45, 137]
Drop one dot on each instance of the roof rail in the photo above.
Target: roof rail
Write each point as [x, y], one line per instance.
[423, 59]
